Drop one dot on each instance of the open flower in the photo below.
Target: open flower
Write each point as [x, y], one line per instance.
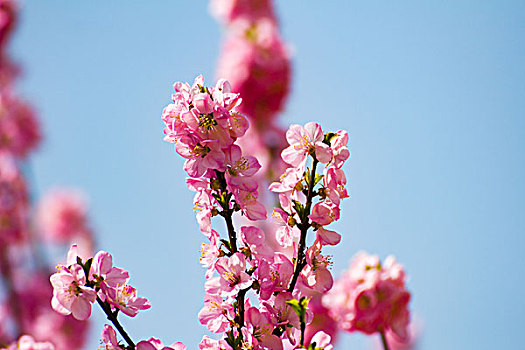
[70, 295]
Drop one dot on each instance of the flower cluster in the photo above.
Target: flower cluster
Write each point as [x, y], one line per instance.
[81, 282]
[78, 284]
[371, 297]
[273, 260]
[204, 124]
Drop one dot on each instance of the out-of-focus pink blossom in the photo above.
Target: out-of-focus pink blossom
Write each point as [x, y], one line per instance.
[371, 297]
[19, 128]
[62, 215]
[13, 202]
[26, 342]
[231, 10]
[257, 64]
[41, 321]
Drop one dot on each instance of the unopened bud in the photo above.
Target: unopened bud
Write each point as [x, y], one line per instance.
[214, 212]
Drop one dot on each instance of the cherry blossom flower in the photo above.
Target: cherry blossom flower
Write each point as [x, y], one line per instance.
[125, 298]
[109, 338]
[233, 274]
[216, 315]
[104, 275]
[70, 295]
[305, 141]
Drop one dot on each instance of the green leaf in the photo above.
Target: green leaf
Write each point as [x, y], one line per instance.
[299, 306]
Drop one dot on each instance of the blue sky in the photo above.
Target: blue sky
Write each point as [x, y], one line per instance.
[432, 93]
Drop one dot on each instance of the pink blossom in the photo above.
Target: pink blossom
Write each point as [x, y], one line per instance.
[233, 274]
[109, 338]
[70, 295]
[210, 253]
[19, 128]
[327, 237]
[371, 297]
[104, 275]
[315, 274]
[281, 313]
[216, 315]
[321, 320]
[274, 276]
[62, 215]
[334, 182]
[340, 151]
[322, 341]
[8, 19]
[261, 326]
[156, 344]
[304, 142]
[324, 213]
[254, 240]
[247, 200]
[256, 61]
[125, 298]
[238, 165]
[285, 234]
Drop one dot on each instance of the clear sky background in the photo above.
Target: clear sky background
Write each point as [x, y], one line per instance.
[432, 93]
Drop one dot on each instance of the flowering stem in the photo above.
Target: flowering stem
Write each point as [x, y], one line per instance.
[113, 318]
[300, 262]
[383, 340]
[227, 213]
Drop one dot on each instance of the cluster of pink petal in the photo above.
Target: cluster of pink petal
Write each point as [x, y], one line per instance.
[204, 124]
[264, 258]
[74, 292]
[371, 297]
[304, 143]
